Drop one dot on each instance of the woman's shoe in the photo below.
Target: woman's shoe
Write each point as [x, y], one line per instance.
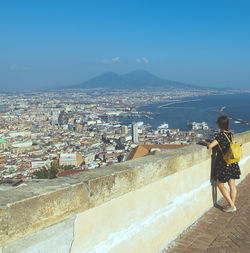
[229, 209]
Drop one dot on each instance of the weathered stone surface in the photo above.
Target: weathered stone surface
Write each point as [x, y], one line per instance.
[144, 214]
[242, 138]
[3, 224]
[125, 177]
[40, 203]
[31, 214]
[57, 239]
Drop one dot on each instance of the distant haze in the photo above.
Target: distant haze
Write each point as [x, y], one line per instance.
[48, 44]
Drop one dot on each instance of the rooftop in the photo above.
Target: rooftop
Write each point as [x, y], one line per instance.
[142, 150]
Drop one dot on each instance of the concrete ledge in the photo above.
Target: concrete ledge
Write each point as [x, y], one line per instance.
[41, 203]
[55, 239]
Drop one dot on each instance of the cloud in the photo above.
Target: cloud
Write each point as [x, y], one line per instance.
[115, 59]
[18, 67]
[142, 60]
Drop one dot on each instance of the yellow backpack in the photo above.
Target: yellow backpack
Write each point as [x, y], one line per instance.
[234, 153]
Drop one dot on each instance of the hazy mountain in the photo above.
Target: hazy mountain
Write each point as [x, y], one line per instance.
[137, 79]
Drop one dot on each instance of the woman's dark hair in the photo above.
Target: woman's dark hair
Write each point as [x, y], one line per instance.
[223, 122]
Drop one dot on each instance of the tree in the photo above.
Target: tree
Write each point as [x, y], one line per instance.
[42, 173]
[47, 173]
[67, 167]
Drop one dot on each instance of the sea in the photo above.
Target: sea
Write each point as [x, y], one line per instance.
[178, 114]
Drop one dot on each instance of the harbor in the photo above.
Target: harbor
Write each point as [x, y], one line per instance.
[235, 119]
[173, 102]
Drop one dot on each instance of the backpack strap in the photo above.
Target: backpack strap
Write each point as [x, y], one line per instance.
[228, 138]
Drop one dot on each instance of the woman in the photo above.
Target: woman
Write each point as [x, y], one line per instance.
[225, 173]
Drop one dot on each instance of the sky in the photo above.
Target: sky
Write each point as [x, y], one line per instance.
[45, 44]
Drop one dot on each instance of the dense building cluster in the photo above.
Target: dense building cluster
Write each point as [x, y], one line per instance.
[79, 129]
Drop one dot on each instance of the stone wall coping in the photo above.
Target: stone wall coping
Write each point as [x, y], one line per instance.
[39, 203]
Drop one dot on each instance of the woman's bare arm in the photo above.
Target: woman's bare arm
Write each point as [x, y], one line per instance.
[212, 144]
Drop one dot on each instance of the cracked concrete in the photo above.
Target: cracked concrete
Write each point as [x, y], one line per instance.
[73, 239]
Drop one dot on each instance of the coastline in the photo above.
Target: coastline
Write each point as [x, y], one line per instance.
[204, 108]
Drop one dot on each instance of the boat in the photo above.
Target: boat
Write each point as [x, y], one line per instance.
[163, 126]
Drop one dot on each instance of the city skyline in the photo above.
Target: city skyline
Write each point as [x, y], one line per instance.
[52, 44]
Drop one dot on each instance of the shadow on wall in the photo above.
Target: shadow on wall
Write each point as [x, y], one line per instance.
[212, 175]
[212, 179]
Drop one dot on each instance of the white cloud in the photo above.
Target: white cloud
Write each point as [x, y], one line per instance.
[142, 60]
[145, 60]
[18, 67]
[115, 59]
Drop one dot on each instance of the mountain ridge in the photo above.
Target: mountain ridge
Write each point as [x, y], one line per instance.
[136, 79]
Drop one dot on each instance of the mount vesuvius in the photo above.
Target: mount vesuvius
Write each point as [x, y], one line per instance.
[137, 79]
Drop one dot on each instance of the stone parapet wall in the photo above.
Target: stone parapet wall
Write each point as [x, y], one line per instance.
[146, 201]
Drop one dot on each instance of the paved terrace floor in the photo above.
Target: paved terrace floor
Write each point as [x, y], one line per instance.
[217, 231]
